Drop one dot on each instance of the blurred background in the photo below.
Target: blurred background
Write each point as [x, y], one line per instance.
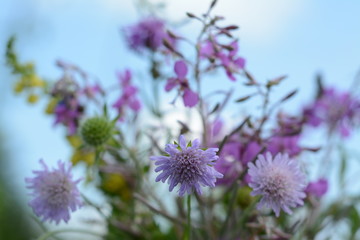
[298, 38]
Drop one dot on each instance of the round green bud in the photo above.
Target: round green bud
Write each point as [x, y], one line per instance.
[96, 131]
[244, 198]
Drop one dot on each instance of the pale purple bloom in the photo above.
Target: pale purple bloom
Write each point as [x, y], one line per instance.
[149, 33]
[190, 98]
[339, 111]
[128, 98]
[279, 181]
[318, 188]
[187, 165]
[54, 193]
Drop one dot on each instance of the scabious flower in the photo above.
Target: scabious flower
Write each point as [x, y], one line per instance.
[149, 34]
[278, 180]
[339, 111]
[187, 165]
[128, 98]
[318, 188]
[54, 193]
[190, 98]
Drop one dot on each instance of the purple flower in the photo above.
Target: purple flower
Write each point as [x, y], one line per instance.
[234, 156]
[229, 163]
[54, 193]
[318, 188]
[149, 33]
[128, 97]
[231, 62]
[284, 144]
[188, 165]
[339, 111]
[190, 98]
[224, 56]
[68, 112]
[90, 91]
[286, 136]
[279, 181]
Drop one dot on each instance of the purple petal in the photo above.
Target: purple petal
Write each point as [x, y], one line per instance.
[190, 98]
[170, 84]
[180, 69]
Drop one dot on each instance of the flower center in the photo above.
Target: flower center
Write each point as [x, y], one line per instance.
[57, 190]
[187, 164]
[275, 185]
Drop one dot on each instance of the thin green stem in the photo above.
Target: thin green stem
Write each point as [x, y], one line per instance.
[188, 228]
[47, 235]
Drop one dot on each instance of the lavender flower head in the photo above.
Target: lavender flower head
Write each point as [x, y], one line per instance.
[54, 193]
[188, 165]
[338, 110]
[279, 181]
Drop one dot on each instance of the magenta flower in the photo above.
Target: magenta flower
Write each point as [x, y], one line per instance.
[286, 136]
[190, 98]
[338, 111]
[128, 98]
[54, 192]
[229, 163]
[149, 34]
[187, 165]
[232, 63]
[279, 181]
[91, 91]
[318, 188]
[68, 112]
[284, 144]
[224, 56]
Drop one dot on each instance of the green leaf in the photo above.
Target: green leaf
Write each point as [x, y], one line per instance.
[343, 166]
[242, 99]
[355, 221]
[289, 95]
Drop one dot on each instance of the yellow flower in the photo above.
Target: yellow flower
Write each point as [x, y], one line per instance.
[35, 81]
[82, 155]
[74, 140]
[116, 184]
[19, 87]
[51, 106]
[32, 98]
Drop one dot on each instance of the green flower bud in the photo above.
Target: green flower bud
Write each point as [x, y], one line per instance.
[96, 131]
[244, 199]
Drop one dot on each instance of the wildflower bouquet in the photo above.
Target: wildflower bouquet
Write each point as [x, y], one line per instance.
[227, 178]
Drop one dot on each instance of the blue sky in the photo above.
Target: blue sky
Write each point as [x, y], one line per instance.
[298, 38]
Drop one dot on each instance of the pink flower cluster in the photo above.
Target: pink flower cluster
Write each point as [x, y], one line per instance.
[128, 98]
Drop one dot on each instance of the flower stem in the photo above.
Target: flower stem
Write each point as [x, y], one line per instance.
[188, 227]
[47, 235]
